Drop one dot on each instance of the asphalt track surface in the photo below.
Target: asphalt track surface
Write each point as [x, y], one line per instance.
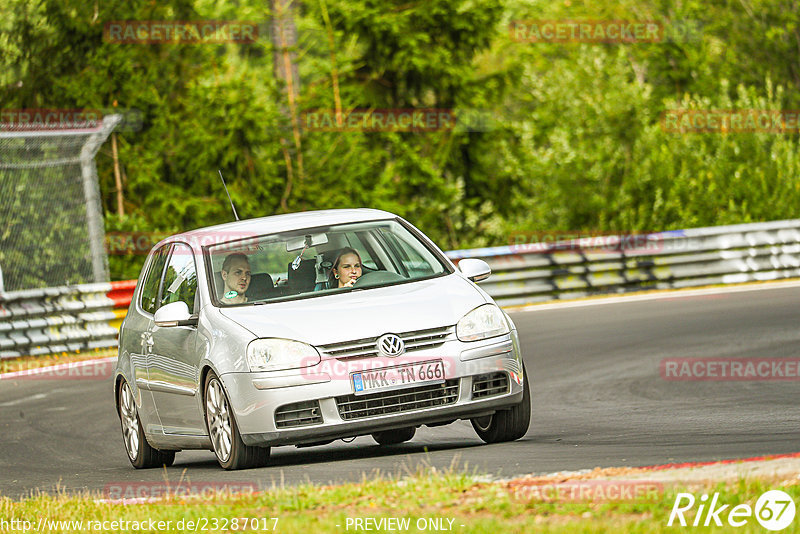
[598, 400]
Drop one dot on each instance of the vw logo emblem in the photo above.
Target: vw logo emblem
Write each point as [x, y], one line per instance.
[391, 345]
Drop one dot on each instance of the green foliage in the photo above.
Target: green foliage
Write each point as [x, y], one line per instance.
[574, 141]
[29, 198]
[128, 240]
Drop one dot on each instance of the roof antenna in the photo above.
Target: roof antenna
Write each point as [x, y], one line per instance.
[229, 195]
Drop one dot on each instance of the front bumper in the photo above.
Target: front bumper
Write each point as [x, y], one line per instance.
[255, 397]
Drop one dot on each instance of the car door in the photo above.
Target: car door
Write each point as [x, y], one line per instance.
[138, 338]
[173, 361]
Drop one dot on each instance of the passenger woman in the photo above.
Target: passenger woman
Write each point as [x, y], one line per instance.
[346, 269]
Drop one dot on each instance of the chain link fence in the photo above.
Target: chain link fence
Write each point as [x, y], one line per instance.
[51, 225]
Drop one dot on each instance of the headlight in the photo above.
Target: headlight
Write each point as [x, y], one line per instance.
[277, 354]
[481, 323]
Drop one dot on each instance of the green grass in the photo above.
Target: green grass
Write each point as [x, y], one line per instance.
[480, 507]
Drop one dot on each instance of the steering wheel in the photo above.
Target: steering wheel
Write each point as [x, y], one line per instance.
[377, 278]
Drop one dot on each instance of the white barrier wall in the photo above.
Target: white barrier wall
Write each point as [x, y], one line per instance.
[55, 320]
[537, 272]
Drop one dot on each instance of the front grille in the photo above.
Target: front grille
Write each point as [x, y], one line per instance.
[298, 414]
[402, 400]
[366, 348]
[489, 385]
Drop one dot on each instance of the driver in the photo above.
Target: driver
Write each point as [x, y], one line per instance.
[346, 269]
[236, 278]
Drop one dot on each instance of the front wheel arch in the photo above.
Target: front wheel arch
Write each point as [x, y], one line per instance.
[240, 456]
[117, 385]
[510, 424]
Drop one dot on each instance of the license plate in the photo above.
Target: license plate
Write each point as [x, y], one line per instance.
[431, 372]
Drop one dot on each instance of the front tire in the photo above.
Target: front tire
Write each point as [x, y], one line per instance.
[140, 453]
[393, 437]
[507, 425]
[231, 452]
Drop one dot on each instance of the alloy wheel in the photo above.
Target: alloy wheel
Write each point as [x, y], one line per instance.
[483, 423]
[219, 420]
[130, 422]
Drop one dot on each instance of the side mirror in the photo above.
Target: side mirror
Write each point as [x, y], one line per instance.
[174, 314]
[475, 270]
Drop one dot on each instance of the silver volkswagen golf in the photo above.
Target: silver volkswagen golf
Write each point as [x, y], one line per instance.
[305, 328]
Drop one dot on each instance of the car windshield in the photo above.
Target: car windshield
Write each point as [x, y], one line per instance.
[318, 261]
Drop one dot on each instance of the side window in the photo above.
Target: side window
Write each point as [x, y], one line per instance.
[149, 300]
[180, 279]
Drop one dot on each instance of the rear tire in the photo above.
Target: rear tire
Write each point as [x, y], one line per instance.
[231, 452]
[393, 437]
[507, 425]
[140, 453]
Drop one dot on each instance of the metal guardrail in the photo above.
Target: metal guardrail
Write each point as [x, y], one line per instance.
[57, 319]
[531, 273]
[53, 320]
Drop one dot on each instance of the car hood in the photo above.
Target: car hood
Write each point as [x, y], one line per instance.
[362, 314]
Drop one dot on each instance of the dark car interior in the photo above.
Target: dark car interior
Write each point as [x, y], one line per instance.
[310, 273]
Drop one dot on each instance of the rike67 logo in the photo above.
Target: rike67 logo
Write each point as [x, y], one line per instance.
[774, 510]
